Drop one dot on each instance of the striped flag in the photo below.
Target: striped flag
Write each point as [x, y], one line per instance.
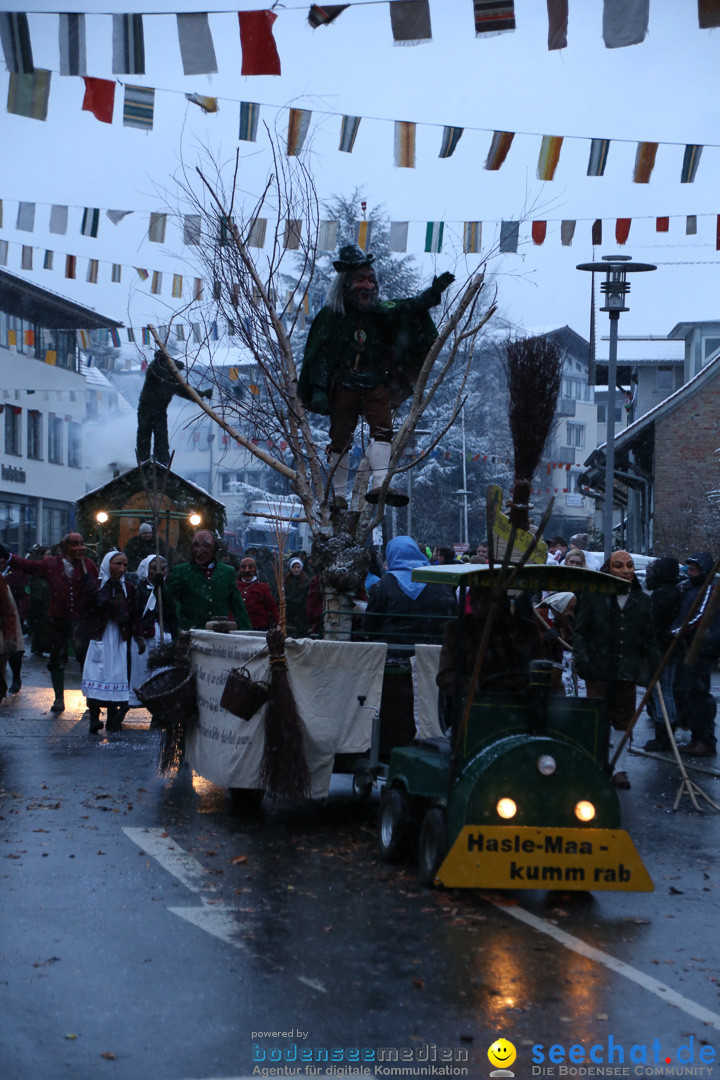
[363, 234]
[28, 94]
[348, 133]
[451, 137]
[207, 104]
[472, 237]
[256, 236]
[48, 260]
[116, 273]
[90, 222]
[92, 271]
[298, 124]
[493, 17]
[177, 285]
[156, 229]
[405, 144]
[15, 38]
[128, 44]
[434, 236]
[156, 284]
[398, 235]
[115, 337]
[501, 143]
[249, 117]
[73, 53]
[598, 157]
[550, 148]
[293, 233]
[139, 107]
[644, 162]
[327, 235]
[141, 273]
[83, 339]
[691, 160]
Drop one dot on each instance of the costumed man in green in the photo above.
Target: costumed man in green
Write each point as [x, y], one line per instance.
[362, 358]
[204, 588]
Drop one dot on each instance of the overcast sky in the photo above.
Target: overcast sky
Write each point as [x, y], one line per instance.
[664, 89]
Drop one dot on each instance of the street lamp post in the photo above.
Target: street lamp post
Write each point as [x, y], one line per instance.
[615, 287]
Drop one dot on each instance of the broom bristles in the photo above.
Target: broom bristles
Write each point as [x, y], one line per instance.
[534, 374]
[284, 770]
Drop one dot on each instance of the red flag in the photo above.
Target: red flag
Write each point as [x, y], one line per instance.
[597, 233]
[539, 229]
[259, 52]
[99, 98]
[717, 234]
[622, 229]
[662, 224]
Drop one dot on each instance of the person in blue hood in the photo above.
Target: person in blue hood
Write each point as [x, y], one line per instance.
[696, 705]
[404, 611]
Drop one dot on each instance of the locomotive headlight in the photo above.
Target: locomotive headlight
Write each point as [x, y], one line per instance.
[546, 765]
[584, 811]
[506, 808]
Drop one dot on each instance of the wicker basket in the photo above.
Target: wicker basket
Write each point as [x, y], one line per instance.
[243, 696]
[169, 696]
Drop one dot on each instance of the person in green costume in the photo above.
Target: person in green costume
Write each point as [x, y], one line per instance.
[362, 358]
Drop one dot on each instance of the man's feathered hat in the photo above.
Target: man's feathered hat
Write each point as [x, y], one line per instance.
[350, 257]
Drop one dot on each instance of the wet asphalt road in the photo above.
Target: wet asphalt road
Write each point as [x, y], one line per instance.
[147, 931]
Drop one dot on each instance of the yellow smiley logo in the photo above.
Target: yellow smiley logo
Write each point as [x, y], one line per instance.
[502, 1053]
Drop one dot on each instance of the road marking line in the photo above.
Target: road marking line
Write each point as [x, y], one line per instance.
[661, 990]
[218, 921]
[171, 857]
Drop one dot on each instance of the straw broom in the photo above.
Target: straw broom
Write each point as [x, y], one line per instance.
[284, 770]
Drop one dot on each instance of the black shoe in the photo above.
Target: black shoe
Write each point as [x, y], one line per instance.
[15, 686]
[58, 705]
[657, 744]
[393, 497]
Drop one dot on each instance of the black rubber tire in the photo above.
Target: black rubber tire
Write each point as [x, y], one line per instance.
[362, 785]
[432, 847]
[394, 824]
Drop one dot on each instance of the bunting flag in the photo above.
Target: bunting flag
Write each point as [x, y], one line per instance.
[128, 45]
[191, 230]
[73, 52]
[549, 156]
[26, 217]
[451, 137]
[139, 107]
[259, 52]
[348, 133]
[116, 216]
[539, 232]
[298, 124]
[196, 44]
[293, 233]
[58, 220]
[256, 236]
[644, 162]
[410, 22]
[70, 266]
[197, 289]
[92, 271]
[249, 117]
[28, 94]
[509, 235]
[691, 160]
[114, 337]
[15, 38]
[622, 229]
[405, 144]
[90, 222]
[557, 24]
[662, 224]
[3, 252]
[1, 213]
[207, 104]
[398, 235]
[596, 234]
[567, 231]
[472, 237]
[51, 357]
[691, 225]
[156, 283]
[327, 235]
[177, 285]
[493, 17]
[708, 14]
[363, 234]
[717, 233]
[99, 98]
[48, 260]
[598, 157]
[27, 256]
[142, 273]
[434, 236]
[156, 229]
[323, 16]
[116, 274]
[625, 22]
[501, 143]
